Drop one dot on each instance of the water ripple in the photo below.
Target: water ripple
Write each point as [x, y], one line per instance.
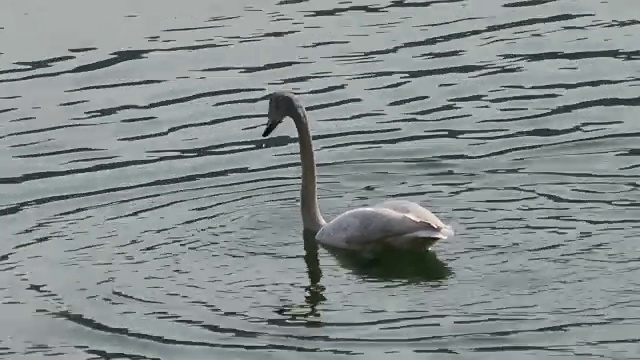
[147, 218]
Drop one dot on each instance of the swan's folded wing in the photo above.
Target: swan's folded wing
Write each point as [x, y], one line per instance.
[412, 210]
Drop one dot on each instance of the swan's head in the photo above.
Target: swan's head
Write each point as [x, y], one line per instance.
[281, 105]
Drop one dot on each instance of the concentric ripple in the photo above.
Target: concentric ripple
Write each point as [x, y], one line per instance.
[143, 216]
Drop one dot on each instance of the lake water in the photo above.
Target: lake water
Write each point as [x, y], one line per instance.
[143, 216]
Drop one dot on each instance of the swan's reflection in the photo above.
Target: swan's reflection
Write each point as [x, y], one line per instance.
[406, 267]
[308, 313]
[314, 290]
[396, 266]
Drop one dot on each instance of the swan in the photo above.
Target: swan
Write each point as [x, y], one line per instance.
[393, 224]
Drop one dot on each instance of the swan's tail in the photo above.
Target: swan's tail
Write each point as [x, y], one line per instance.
[447, 232]
[435, 235]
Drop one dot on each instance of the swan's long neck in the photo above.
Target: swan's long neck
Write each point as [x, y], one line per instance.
[311, 216]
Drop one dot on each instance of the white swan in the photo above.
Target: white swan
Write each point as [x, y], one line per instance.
[394, 224]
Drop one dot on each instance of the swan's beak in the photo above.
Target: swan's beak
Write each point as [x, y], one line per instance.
[270, 127]
[272, 124]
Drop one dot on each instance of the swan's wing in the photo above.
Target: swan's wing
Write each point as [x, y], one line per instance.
[416, 211]
[364, 227]
[412, 210]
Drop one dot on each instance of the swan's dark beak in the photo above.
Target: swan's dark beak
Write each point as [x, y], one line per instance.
[270, 127]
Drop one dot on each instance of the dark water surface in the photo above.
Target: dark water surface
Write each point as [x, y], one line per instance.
[143, 216]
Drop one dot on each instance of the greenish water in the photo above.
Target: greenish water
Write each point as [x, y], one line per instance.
[143, 216]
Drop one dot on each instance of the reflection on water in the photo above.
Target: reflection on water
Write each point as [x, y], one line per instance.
[143, 216]
[411, 267]
[398, 265]
[313, 291]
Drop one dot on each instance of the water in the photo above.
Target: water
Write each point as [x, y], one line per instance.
[143, 216]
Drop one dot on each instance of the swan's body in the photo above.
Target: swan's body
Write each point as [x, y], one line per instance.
[394, 224]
